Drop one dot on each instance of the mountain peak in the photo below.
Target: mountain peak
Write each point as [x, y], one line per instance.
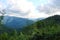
[56, 16]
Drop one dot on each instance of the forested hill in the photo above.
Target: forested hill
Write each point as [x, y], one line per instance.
[50, 21]
[47, 29]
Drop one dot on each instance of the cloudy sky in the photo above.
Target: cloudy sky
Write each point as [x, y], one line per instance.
[31, 8]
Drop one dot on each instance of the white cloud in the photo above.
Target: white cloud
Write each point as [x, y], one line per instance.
[1, 6]
[50, 7]
[25, 6]
[22, 5]
[31, 15]
[28, 8]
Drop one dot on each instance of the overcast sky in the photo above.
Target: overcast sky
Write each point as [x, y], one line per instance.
[31, 8]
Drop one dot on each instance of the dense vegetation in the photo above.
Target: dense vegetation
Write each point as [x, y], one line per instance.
[47, 29]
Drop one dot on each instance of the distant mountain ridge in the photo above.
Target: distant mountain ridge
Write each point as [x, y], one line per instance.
[15, 22]
[46, 29]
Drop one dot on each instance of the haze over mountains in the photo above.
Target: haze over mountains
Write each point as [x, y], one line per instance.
[46, 29]
[29, 19]
[16, 22]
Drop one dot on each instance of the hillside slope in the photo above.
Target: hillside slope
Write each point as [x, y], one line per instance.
[47, 29]
[15, 22]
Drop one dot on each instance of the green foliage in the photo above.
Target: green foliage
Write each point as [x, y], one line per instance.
[47, 29]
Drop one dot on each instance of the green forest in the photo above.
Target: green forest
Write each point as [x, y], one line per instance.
[46, 29]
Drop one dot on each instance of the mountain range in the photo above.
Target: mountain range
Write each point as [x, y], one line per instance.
[15, 22]
[46, 29]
